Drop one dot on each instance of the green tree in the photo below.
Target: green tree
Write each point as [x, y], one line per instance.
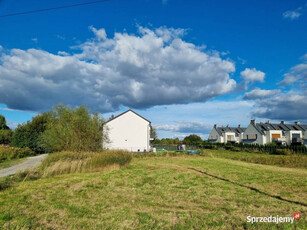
[193, 139]
[3, 123]
[5, 132]
[73, 130]
[30, 134]
[153, 133]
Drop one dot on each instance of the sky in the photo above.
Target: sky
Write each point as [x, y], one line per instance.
[183, 65]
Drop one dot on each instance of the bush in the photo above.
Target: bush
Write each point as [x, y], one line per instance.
[6, 136]
[73, 130]
[9, 153]
[29, 134]
[282, 152]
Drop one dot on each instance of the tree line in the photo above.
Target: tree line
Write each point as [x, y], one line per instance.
[60, 129]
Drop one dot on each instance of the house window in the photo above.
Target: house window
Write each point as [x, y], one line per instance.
[276, 135]
[251, 136]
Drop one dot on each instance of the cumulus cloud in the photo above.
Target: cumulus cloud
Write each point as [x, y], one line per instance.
[260, 94]
[153, 67]
[297, 74]
[252, 75]
[186, 127]
[288, 106]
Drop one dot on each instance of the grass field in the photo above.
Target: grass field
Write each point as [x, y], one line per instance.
[159, 193]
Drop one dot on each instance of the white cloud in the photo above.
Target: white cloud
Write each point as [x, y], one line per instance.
[252, 75]
[297, 74]
[291, 14]
[260, 94]
[34, 40]
[290, 105]
[100, 34]
[154, 67]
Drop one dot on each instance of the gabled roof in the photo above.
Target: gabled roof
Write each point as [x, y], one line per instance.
[221, 130]
[261, 127]
[130, 110]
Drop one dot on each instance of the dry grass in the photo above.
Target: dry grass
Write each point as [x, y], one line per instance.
[71, 162]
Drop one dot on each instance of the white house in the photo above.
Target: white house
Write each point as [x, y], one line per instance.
[129, 131]
[264, 133]
[226, 134]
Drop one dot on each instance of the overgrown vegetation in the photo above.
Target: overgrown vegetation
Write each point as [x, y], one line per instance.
[8, 153]
[28, 135]
[270, 148]
[73, 130]
[60, 129]
[71, 162]
[76, 162]
[5, 132]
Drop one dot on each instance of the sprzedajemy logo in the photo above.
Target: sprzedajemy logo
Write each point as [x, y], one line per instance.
[273, 219]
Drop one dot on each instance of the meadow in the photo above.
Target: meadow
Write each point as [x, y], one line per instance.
[166, 191]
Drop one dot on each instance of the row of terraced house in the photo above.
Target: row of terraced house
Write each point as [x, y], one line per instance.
[261, 133]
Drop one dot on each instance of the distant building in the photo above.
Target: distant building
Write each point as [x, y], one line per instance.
[226, 134]
[129, 131]
[264, 133]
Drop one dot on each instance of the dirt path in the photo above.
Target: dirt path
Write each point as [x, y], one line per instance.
[31, 162]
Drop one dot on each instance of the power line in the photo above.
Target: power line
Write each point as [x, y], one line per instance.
[53, 8]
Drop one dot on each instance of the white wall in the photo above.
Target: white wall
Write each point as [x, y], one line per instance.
[289, 135]
[251, 130]
[269, 135]
[128, 131]
[213, 134]
[232, 134]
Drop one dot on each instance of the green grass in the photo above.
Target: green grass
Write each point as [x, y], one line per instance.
[9, 163]
[158, 193]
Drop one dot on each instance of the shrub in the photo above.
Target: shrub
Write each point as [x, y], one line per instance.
[29, 134]
[282, 152]
[8, 153]
[73, 130]
[5, 136]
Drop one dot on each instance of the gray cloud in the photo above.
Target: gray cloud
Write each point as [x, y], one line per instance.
[289, 106]
[297, 74]
[154, 67]
[260, 94]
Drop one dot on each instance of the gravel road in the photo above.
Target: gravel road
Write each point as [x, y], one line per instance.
[30, 163]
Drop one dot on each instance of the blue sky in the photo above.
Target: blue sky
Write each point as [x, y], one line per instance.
[184, 65]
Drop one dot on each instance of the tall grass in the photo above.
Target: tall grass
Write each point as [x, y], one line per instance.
[71, 162]
[76, 162]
